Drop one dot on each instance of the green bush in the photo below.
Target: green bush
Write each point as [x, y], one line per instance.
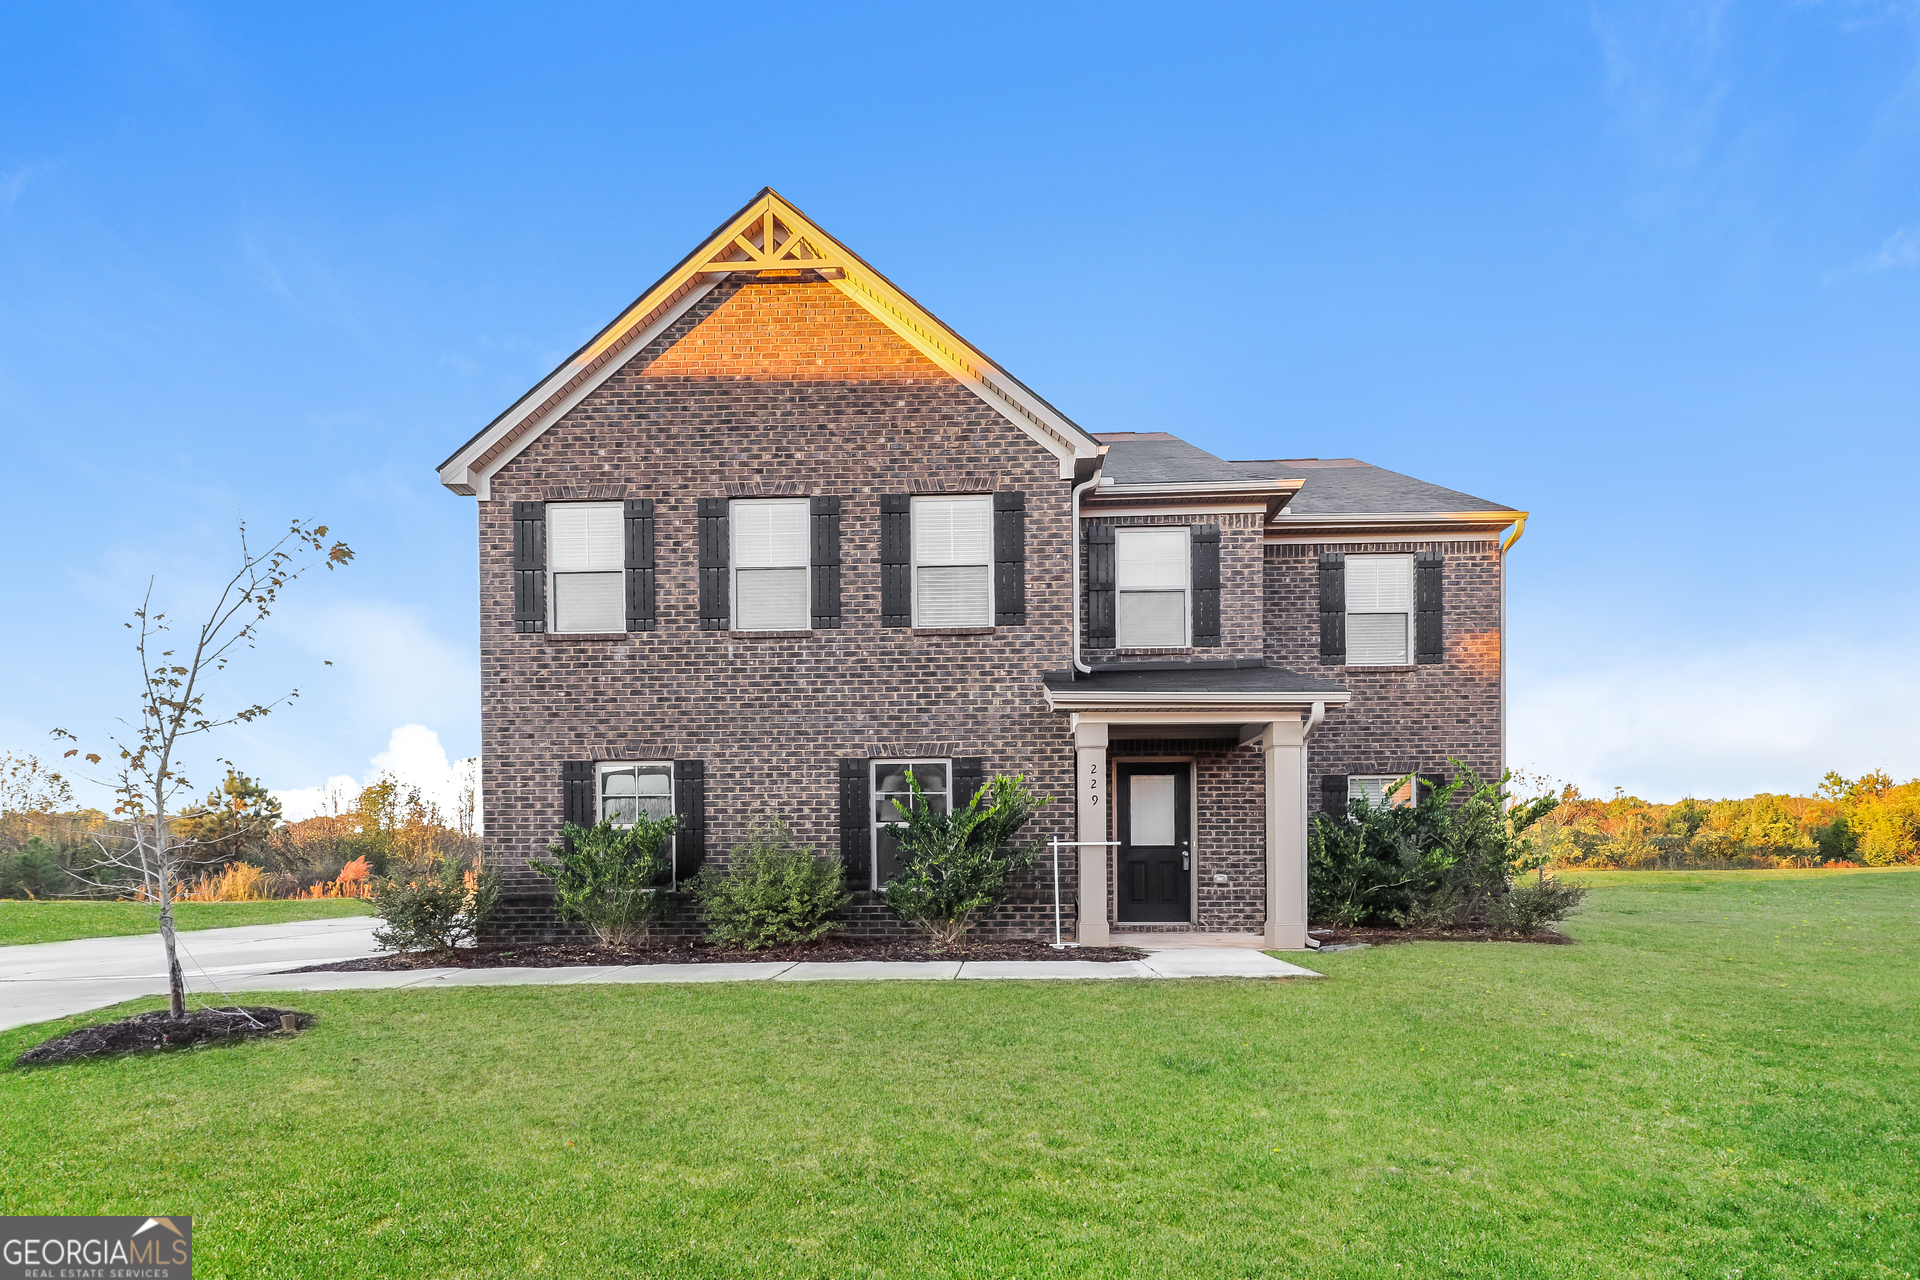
[613, 879]
[32, 871]
[1444, 861]
[439, 911]
[1532, 905]
[957, 864]
[773, 892]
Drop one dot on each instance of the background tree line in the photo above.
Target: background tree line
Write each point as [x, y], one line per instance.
[243, 846]
[1868, 821]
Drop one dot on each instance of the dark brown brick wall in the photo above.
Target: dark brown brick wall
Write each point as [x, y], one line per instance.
[770, 387]
[1242, 620]
[1401, 719]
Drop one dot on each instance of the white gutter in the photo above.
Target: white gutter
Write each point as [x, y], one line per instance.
[1073, 511]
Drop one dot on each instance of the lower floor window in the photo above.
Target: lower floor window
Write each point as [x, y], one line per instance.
[629, 789]
[1381, 791]
[892, 797]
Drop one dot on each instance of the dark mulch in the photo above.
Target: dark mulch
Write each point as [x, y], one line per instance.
[145, 1032]
[555, 955]
[1337, 937]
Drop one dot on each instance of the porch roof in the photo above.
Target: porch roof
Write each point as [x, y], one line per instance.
[1245, 683]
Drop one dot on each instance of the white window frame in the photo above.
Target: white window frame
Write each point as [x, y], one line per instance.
[873, 806]
[1406, 615]
[1186, 592]
[1358, 785]
[605, 767]
[913, 555]
[554, 574]
[804, 620]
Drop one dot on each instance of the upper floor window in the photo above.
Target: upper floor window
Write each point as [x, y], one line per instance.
[586, 561]
[770, 565]
[953, 561]
[1379, 610]
[1151, 571]
[892, 798]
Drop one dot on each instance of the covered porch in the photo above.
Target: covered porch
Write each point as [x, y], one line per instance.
[1191, 800]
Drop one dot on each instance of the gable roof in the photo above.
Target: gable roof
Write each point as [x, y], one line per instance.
[1348, 486]
[767, 235]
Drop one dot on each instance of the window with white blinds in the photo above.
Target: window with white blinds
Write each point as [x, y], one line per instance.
[770, 565]
[1381, 792]
[1151, 572]
[587, 560]
[953, 562]
[1379, 611]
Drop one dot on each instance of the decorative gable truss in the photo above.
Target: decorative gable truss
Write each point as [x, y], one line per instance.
[768, 236]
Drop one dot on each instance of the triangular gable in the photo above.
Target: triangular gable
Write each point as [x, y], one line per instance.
[768, 235]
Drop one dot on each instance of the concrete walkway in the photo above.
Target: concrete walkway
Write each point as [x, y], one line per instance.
[54, 979]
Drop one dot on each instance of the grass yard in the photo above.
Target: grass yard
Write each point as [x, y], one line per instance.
[22, 922]
[1721, 1081]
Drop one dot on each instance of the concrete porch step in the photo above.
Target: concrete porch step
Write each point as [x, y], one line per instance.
[1161, 939]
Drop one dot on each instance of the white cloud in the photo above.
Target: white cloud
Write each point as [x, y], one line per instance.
[1765, 716]
[1897, 252]
[413, 755]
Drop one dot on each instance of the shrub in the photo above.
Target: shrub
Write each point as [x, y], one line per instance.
[773, 892]
[1532, 905]
[1442, 861]
[611, 878]
[957, 864]
[435, 912]
[31, 871]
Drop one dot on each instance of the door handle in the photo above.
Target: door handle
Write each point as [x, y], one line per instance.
[1186, 857]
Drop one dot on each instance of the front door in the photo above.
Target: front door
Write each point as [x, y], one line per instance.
[1156, 851]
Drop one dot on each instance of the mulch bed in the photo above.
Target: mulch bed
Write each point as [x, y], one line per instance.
[146, 1032]
[558, 954]
[1339, 937]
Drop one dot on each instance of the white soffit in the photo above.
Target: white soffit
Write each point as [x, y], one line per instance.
[768, 235]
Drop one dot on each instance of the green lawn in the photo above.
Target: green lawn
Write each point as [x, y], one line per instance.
[1721, 1081]
[58, 921]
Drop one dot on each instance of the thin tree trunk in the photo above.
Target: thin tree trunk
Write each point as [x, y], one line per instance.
[176, 985]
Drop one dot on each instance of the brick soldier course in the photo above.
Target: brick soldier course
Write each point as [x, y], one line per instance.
[775, 363]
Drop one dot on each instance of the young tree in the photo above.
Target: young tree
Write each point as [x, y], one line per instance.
[172, 709]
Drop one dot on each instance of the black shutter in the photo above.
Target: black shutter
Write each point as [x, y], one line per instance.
[690, 806]
[529, 567]
[824, 524]
[1429, 643]
[896, 560]
[856, 826]
[1333, 608]
[1009, 559]
[1206, 585]
[969, 775]
[1333, 794]
[711, 515]
[577, 801]
[1426, 784]
[639, 529]
[1100, 586]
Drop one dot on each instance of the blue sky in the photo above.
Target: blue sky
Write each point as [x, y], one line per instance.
[1651, 271]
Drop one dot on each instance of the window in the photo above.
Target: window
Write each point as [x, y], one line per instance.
[1150, 573]
[770, 565]
[953, 562]
[627, 789]
[586, 557]
[1379, 609]
[891, 799]
[1382, 792]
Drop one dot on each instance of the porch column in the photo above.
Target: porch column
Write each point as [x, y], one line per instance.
[1090, 752]
[1285, 744]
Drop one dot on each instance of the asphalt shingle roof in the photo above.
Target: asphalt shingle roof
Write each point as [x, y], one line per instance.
[1173, 678]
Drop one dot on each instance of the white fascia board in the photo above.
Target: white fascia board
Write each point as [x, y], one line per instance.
[482, 482]
[1499, 518]
[1209, 509]
[1058, 700]
[1002, 394]
[1194, 488]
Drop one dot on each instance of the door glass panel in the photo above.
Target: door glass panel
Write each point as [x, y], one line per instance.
[1151, 802]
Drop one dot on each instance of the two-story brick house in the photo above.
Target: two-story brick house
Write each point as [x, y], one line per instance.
[777, 534]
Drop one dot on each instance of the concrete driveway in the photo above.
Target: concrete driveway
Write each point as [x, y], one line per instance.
[53, 979]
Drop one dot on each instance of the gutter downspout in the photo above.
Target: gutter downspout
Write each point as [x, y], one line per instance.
[1519, 527]
[1073, 511]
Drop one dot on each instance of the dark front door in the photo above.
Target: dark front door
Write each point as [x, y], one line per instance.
[1156, 858]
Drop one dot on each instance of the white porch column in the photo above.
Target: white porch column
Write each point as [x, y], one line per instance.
[1090, 762]
[1285, 744]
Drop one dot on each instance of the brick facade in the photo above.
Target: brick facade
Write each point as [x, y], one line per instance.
[1401, 719]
